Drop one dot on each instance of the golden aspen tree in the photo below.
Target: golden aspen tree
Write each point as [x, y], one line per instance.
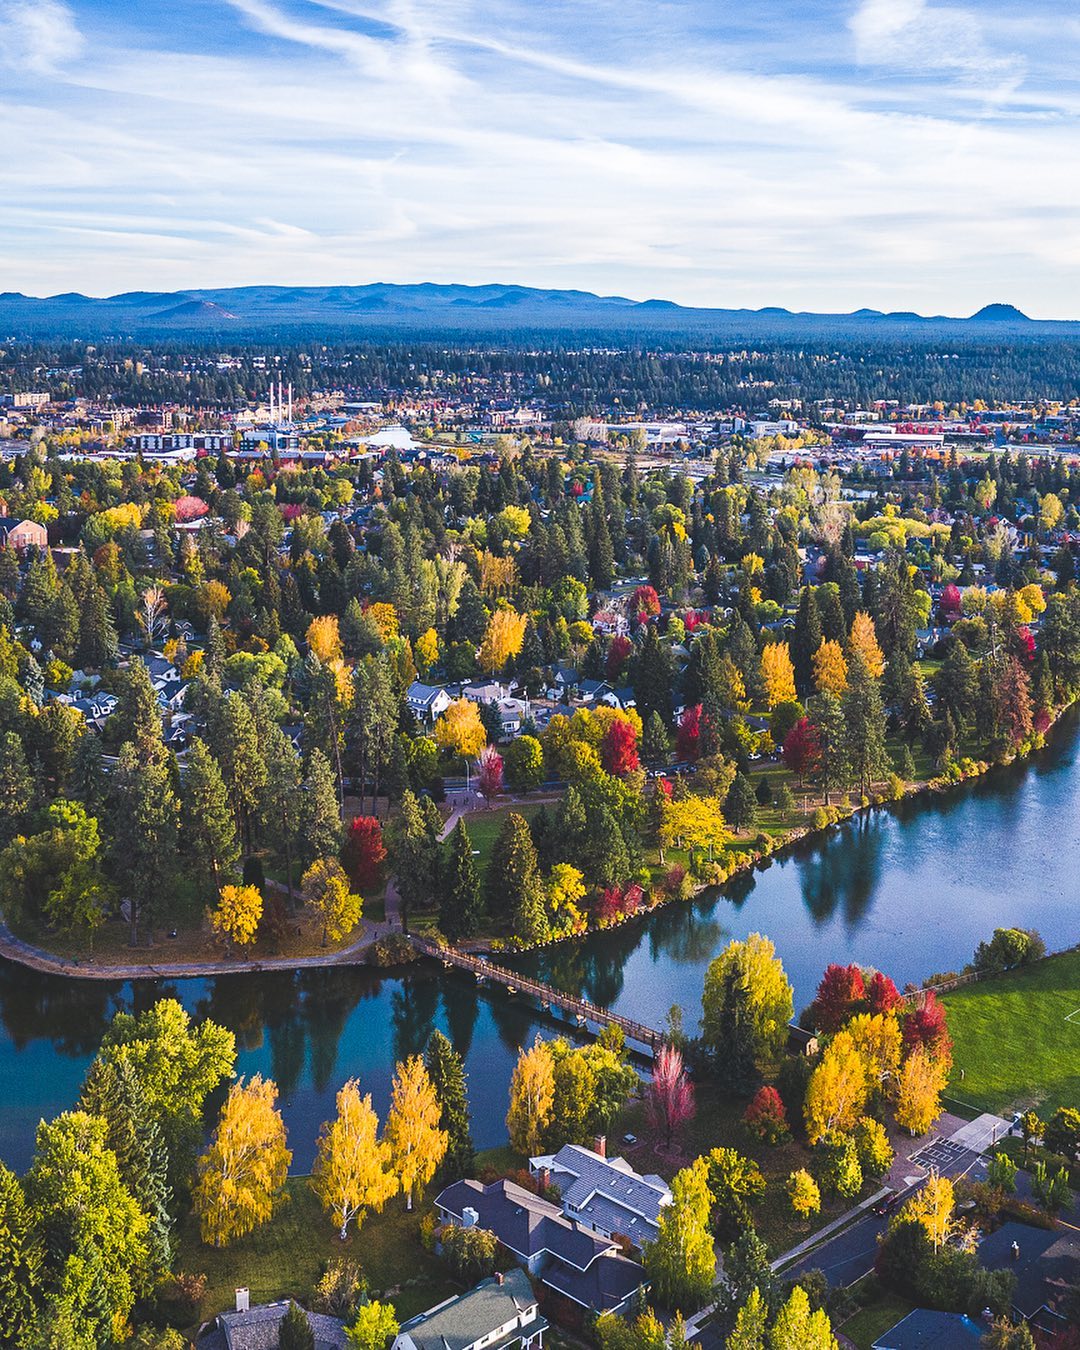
[836, 1093]
[242, 1174]
[830, 669]
[417, 1144]
[327, 892]
[864, 641]
[426, 651]
[460, 729]
[324, 638]
[532, 1095]
[778, 673]
[932, 1206]
[353, 1169]
[237, 915]
[878, 1040]
[803, 1193]
[384, 616]
[503, 639]
[922, 1081]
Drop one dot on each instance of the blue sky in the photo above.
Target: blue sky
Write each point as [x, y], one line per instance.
[820, 154]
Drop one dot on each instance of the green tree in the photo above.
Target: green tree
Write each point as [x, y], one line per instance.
[461, 907]
[295, 1331]
[20, 1261]
[209, 824]
[281, 808]
[740, 805]
[234, 741]
[144, 819]
[374, 1326]
[97, 646]
[806, 640]
[447, 1073]
[16, 786]
[652, 678]
[654, 740]
[769, 996]
[746, 1269]
[751, 1320]
[864, 719]
[94, 1233]
[681, 1263]
[413, 845]
[798, 1328]
[735, 1182]
[523, 761]
[138, 714]
[513, 883]
[322, 809]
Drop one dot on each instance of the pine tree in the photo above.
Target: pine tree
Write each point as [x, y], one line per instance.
[513, 882]
[294, 1332]
[652, 679]
[740, 804]
[654, 740]
[208, 823]
[138, 713]
[447, 1073]
[144, 816]
[16, 786]
[806, 640]
[322, 812]
[864, 719]
[281, 805]
[461, 906]
[97, 646]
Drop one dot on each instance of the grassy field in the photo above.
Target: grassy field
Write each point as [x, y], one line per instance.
[286, 1257]
[868, 1323]
[484, 827]
[1013, 1043]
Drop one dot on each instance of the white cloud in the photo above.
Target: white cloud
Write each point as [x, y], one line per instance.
[914, 35]
[39, 35]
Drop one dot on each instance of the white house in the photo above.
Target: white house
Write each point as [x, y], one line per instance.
[498, 1314]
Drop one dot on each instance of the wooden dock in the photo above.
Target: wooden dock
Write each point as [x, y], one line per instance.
[579, 1008]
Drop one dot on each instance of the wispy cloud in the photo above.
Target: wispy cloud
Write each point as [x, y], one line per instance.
[821, 156]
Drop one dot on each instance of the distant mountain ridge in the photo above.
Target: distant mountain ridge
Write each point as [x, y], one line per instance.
[432, 306]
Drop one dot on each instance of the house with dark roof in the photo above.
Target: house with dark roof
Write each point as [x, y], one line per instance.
[427, 701]
[1046, 1263]
[498, 1314]
[565, 1256]
[926, 1330]
[259, 1328]
[605, 1194]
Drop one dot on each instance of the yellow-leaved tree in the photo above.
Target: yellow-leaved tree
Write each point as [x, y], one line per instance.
[932, 1206]
[460, 730]
[830, 669]
[778, 673]
[532, 1095]
[237, 915]
[324, 638]
[326, 891]
[836, 1093]
[803, 1193]
[918, 1098]
[503, 639]
[426, 651]
[417, 1144]
[242, 1174]
[693, 822]
[877, 1039]
[353, 1169]
[864, 641]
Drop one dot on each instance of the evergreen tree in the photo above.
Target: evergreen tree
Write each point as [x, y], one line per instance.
[734, 1050]
[513, 884]
[281, 807]
[209, 827]
[601, 554]
[20, 1262]
[16, 786]
[461, 906]
[321, 811]
[143, 814]
[295, 1331]
[97, 645]
[447, 1073]
[746, 1268]
[864, 721]
[413, 843]
[652, 679]
[740, 804]
[805, 641]
[654, 740]
[138, 713]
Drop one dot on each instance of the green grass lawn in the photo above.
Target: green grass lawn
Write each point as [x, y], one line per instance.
[878, 1316]
[285, 1257]
[1013, 1044]
[484, 827]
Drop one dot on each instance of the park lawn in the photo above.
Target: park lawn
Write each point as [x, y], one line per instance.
[883, 1312]
[285, 1257]
[1012, 1042]
[484, 827]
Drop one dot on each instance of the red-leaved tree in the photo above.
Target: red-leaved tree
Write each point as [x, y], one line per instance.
[189, 508]
[841, 994]
[364, 852]
[882, 995]
[802, 749]
[646, 601]
[688, 736]
[669, 1098]
[765, 1117]
[619, 749]
[489, 773]
[925, 1025]
[950, 602]
[619, 648]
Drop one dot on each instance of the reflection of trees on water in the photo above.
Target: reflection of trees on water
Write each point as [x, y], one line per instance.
[71, 1014]
[414, 1005]
[461, 1006]
[330, 996]
[685, 935]
[843, 872]
[738, 890]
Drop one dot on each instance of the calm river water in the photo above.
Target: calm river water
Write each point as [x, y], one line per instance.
[910, 891]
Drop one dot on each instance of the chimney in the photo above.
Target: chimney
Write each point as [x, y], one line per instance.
[243, 1300]
[469, 1217]
[498, 1277]
[544, 1179]
[600, 1145]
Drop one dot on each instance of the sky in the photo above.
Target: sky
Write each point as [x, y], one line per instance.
[816, 154]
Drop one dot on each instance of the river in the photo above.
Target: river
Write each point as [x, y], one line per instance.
[910, 890]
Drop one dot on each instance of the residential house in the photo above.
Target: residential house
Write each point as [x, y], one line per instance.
[622, 698]
[578, 1267]
[22, 534]
[926, 1330]
[498, 1314]
[605, 1194]
[259, 1328]
[1046, 1263]
[427, 701]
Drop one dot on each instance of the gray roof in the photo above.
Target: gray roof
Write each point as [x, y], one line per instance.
[925, 1330]
[609, 1193]
[1049, 1260]
[462, 1321]
[523, 1222]
[608, 1282]
[258, 1329]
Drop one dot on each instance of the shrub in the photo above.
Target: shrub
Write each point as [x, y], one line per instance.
[820, 819]
[1009, 947]
[765, 1119]
[394, 949]
[469, 1252]
[340, 1289]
